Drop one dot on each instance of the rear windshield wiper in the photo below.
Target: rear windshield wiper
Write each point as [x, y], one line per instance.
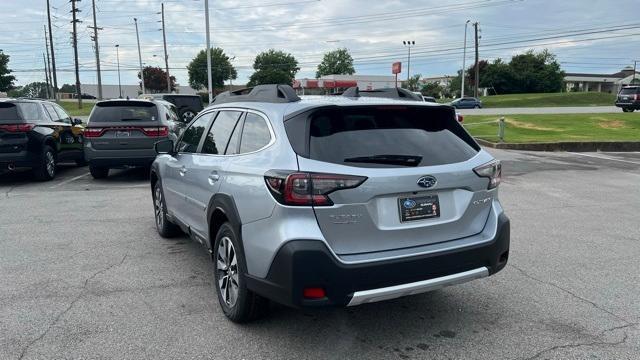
[131, 119]
[404, 160]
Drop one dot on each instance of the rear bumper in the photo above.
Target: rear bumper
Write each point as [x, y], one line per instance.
[301, 264]
[114, 158]
[628, 104]
[19, 159]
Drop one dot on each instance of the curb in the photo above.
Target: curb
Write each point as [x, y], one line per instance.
[578, 146]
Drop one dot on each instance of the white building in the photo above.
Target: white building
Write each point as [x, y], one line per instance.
[610, 83]
[131, 91]
[337, 83]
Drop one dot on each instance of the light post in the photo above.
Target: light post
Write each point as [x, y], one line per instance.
[139, 55]
[209, 75]
[409, 44]
[464, 58]
[118, 62]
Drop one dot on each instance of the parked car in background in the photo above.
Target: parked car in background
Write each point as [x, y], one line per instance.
[467, 103]
[629, 98]
[172, 116]
[188, 105]
[38, 134]
[123, 133]
[330, 200]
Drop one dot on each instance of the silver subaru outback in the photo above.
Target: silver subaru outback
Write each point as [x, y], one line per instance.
[340, 200]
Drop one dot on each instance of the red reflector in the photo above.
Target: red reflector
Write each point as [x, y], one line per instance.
[156, 131]
[460, 118]
[17, 127]
[313, 293]
[93, 132]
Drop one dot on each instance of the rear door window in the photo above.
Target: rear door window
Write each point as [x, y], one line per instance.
[386, 136]
[29, 111]
[255, 134]
[218, 137]
[116, 111]
[52, 112]
[64, 117]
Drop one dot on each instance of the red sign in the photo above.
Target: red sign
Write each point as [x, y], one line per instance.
[396, 68]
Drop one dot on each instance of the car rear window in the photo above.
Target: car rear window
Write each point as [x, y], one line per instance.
[18, 112]
[630, 90]
[192, 102]
[387, 136]
[114, 111]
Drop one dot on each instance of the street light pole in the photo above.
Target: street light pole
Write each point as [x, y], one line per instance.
[409, 44]
[209, 75]
[118, 62]
[464, 58]
[166, 56]
[139, 56]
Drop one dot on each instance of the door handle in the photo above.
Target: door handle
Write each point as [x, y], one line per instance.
[183, 170]
[213, 177]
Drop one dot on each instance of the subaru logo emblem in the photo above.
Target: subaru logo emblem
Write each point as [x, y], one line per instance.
[409, 204]
[427, 181]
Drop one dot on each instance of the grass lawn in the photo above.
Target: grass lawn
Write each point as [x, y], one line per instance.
[552, 99]
[72, 107]
[558, 127]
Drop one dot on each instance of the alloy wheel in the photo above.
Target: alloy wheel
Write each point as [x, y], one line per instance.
[187, 116]
[227, 271]
[158, 206]
[50, 163]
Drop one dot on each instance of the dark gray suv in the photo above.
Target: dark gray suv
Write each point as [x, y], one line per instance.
[334, 200]
[123, 133]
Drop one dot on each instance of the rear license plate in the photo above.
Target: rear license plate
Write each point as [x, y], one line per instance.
[419, 208]
[123, 133]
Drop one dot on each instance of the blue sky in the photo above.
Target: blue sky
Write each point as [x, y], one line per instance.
[587, 36]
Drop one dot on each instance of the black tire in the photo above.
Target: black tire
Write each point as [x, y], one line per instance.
[477, 107]
[45, 170]
[248, 305]
[98, 172]
[625, 110]
[81, 162]
[165, 228]
[187, 115]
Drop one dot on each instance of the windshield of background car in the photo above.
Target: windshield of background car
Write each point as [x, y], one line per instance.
[124, 111]
[629, 91]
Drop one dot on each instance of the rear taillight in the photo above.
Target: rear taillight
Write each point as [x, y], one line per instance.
[460, 118]
[93, 132]
[308, 189]
[491, 170]
[636, 96]
[157, 131]
[17, 128]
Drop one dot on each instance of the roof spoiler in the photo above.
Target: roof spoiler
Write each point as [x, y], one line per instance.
[272, 93]
[389, 93]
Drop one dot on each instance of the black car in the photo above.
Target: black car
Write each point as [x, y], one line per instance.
[629, 98]
[38, 134]
[188, 105]
[467, 103]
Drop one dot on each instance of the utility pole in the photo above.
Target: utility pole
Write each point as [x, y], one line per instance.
[118, 62]
[166, 56]
[139, 55]
[53, 57]
[635, 64]
[464, 58]
[48, 63]
[95, 39]
[46, 74]
[477, 68]
[74, 11]
[209, 75]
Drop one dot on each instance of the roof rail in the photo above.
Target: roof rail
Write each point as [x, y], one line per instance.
[389, 93]
[272, 93]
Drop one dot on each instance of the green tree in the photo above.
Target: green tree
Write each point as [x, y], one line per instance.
[68, 88]
[221, 69]
[536, 72]
[432, 89]
[498, 76]
[274, 67]
[337, 62]
[155, 80]
[32, 90]
[6, 79]
[413, 84]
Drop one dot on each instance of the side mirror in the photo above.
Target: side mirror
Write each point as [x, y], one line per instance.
[164, 147]
[76, 121]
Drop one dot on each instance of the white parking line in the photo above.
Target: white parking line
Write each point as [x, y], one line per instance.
[604, 158]
[68, 181]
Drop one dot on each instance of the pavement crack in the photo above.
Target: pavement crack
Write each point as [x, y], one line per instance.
[577, 345]
[576, 296]
[69, 307]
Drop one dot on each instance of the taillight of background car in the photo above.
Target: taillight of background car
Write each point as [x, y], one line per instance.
[308, 189]
[17, 128]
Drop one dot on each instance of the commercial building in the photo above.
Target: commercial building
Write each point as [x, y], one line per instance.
[336, 83]
[609, 83]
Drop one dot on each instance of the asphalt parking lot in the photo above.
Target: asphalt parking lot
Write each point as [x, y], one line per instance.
[83, 274]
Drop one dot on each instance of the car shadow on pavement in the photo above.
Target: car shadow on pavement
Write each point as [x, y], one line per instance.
[25, 176]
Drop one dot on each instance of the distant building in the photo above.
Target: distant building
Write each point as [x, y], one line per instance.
[609, 83]
[112, 91]
[337, 83]
[444, 80]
